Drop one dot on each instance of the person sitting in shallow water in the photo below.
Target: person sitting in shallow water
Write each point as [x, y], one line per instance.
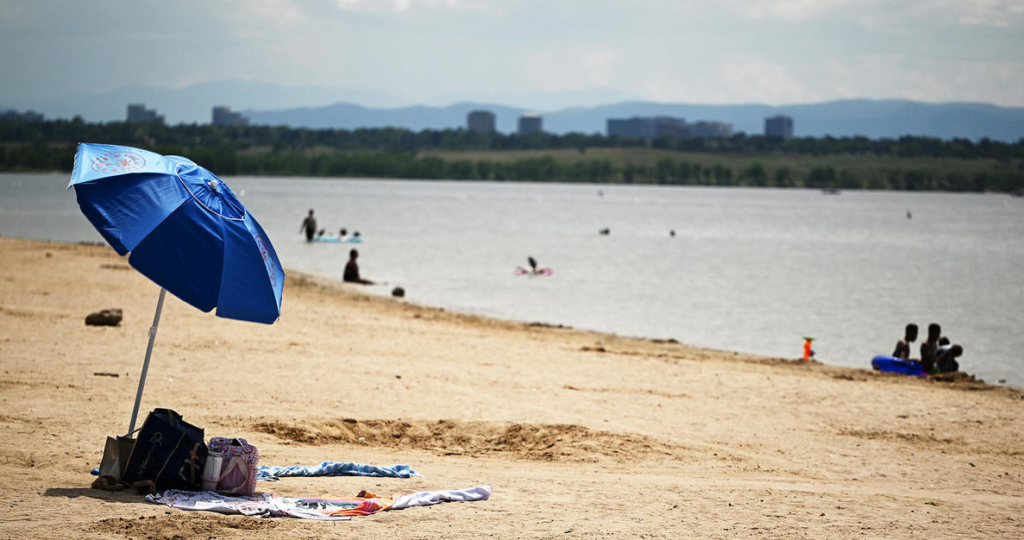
[534, 269]
[929, 347]
[945, 358]
[937, 354]
[903, 346]
[946, 355]
[352, 270]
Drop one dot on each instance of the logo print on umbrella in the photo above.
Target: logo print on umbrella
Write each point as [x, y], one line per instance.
[118, 162]
[266, 260]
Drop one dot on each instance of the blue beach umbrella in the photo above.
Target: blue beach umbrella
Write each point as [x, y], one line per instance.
[183, 228]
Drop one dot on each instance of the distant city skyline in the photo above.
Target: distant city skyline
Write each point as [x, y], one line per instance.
[404, 52]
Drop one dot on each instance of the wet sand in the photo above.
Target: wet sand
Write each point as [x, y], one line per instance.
[580, 434]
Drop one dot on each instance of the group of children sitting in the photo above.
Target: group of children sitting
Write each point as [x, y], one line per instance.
[937, 355]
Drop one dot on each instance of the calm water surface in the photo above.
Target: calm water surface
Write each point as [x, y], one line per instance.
[751, 270]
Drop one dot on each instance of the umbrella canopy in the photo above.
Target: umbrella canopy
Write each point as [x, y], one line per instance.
[183, 228]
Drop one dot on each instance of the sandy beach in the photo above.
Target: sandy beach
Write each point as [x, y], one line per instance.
[580, 434]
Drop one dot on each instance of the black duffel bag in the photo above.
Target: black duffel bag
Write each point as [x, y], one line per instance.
[169, 453]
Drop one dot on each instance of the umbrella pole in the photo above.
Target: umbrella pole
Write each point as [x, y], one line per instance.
[145, 365]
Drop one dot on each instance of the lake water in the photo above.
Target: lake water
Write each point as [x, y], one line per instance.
[750, 270]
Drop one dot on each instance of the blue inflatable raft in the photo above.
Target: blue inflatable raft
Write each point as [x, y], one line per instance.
[897, 365]
[336, 240]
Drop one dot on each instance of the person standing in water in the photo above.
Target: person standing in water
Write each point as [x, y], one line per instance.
[352, 270]
[309, 226]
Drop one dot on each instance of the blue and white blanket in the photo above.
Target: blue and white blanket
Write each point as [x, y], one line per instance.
[333, 468]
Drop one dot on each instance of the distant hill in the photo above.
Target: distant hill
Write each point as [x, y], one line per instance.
[873, 119]
[193, 104]
[329, 107]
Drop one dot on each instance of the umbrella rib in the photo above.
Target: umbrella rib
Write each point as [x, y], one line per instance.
[208, 209]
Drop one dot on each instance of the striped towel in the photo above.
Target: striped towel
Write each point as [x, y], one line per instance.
[268, 505]
[333, 468]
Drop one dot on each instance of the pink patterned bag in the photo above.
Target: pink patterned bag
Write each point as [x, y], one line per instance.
[238, 469]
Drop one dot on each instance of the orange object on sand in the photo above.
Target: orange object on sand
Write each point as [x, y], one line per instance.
[808, 353]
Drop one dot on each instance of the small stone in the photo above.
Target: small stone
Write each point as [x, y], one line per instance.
[398, 292]
[106, 317]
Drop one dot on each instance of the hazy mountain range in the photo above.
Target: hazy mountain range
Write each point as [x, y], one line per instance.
[321, 107]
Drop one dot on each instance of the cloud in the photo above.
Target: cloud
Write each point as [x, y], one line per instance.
[889, 14]
[571, 68]
[899, 76]
[996, 13]
[790, 10]
[399, 6]
[11, 12]
[775, 51]
[760, 80]
[254, 17]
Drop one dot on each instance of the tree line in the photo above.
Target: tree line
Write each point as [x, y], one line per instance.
[280, 138]
[741, 160]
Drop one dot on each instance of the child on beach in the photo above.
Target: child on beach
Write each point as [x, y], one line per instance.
[937, 354]
[903, 345]
[945, 358]
[929, 347]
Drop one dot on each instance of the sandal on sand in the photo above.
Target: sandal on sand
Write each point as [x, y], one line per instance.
[145, 487]
[108, 483]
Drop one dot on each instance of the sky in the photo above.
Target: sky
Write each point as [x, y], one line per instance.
[441, 51]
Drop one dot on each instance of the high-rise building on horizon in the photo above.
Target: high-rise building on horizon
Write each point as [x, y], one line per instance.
[778, 127]
[652, 127]
[636, 127]
[709, 130]
[137, 112]
[222, 116]
[530, 123]
[480, 122]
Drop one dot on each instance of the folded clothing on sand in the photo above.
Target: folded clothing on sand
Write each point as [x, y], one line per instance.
[427, 498]
[267, 505]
